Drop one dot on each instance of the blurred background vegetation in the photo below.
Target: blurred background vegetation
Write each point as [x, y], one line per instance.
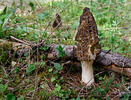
[23, 18]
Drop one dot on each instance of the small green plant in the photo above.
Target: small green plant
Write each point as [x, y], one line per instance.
[58, 67]
[10, 96]
[57, 90]
[61, 52]
[31, 4]
[3, 88]
[20, 98]
[101, 92]
[45, 48]
[61, 93]
[32, 67]
[4, 19]
[126, 97]
[45, 94]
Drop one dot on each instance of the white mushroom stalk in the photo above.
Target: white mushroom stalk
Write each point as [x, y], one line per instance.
[87, 68]
[87, 72]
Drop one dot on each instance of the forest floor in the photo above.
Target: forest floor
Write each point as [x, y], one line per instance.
[33, 77]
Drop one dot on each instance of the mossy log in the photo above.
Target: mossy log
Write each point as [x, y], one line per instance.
[105, 58]
[109, 60]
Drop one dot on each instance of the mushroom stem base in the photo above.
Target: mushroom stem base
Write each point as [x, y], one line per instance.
[87, 72]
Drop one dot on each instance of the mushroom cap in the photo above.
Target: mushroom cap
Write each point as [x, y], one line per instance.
[57, 22]
[87, 37]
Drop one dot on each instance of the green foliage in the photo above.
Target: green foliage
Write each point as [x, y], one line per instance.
[100, 92]
[61, 52]
[10, 96]
[3, 87]
[31, 4]
[20, 98]
[126, 97]
[109, 25]
[41, 64]
[16, 70]
[45, 48]
[0, 80]
[53, 79]
[45, 94]
[30, 68]
[4, 19]
[4, 52]
[61, 93]
[58, 67]
[67, 35]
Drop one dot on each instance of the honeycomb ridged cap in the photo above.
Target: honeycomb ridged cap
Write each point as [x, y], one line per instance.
[87, 37]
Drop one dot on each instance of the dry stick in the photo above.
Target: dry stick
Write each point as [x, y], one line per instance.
[26, 43]
[36, 83]
[123, 71]
[21, 41]
[36, 75]
[85, 86]
[4, 70]
[115, 97]
[50, 85]
[37, 1]
[99, 73]
[70, 83]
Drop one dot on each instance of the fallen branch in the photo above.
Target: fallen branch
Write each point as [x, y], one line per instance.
[105, 58]
[123, 71]
[108, 60]
[21, 41]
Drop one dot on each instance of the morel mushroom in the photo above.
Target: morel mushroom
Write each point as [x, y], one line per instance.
[87, 45]
[57, 22]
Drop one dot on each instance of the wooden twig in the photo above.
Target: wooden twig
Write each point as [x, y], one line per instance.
[85, 86]
[4, 70]
[122, 71]
[18, 40]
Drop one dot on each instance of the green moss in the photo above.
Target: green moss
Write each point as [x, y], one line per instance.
[5, 48]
